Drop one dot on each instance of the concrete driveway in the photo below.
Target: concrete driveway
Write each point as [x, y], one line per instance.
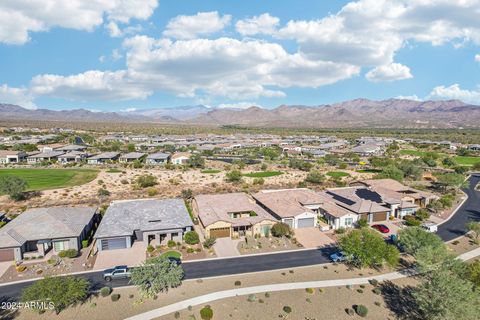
[130, 256]
[226, 247]
[4, 266]
[392, 225]
[313, 238]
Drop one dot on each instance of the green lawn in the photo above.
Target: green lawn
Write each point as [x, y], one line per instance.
[173, 254]
[44, 179]
[466, 161]
[114, 170]
[337, 174]
[410, 152]
[369, 170]
[262, 174]
[211, 171]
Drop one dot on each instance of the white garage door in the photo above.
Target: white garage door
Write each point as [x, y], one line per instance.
[306, 223]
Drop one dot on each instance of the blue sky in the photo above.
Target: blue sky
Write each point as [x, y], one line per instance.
[125, 55]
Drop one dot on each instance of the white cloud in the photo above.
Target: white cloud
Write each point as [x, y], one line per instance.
[115, 31]
[129, 110]
[20, 17]
[101, 59]
[190, 27]
[456, 93]
[477, 57]
[262, 24]
[238, 105]
[90, 85]
[390, 72]
[412, 97]
[116, 55]
[17, 96]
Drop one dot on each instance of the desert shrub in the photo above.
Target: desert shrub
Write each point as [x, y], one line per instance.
[315, 177]
[340, 230]
[152, 192]
[238, 283]
[412, 221]
[422, 214]
[377, 290]
[252, 298]
[209, 242]
[146, 180]
[150, 248]
[102, 192]
[171, 243]
[309, 290]
[124, 181]
[21, 268]
[373, 282]
[105, 291]
[359, 290]
[115, 297]
[191, 237]
[287, 309]
[361, 310]
[70, 253]
[362, 223]
[280, 229]
[350, 312]
[190, 250]
[176, 315]
[206, 313]
[267, 294]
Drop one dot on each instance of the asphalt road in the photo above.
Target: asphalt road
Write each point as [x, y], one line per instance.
[451, 229]
[470, 210]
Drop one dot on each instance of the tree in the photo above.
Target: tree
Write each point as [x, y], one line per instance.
[476, 166]
[414, 238]
[196, 161]
[13, 186]
[362, 223]
[270, 153]
[449, 162]
[59, 292]
[315, 177]
[422, 214]
[130, 147]
[391, 172]
[156, 275]
[445, 296]
[191, 237]
[450, 180]
[474, 228]
[234, 176]
[474, 272]
[281, 229]
[187, 194]
[103, 193]
[146, 180]
[367, 248]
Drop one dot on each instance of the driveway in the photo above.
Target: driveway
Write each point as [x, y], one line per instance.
[4, 266]
[313, 238]
[130, 256]
[392, 225]
[226, 247]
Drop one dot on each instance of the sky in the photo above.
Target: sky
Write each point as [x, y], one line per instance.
[125, 55]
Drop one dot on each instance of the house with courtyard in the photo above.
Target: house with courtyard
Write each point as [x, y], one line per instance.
[150, 221]
[44, 156]
[296, 207]
[72, 156]
[7, 156]
[231, 215]
[158, 158]
[37, 232]
[131, 157]
[105, 157]
[180, 158]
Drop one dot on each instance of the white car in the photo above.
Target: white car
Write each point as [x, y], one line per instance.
[430, 227]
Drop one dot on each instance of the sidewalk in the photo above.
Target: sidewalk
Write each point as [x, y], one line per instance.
[207, 298]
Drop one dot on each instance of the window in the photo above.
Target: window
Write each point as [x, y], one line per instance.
[349, 221]
[60, 245]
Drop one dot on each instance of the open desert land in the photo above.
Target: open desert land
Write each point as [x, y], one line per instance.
[80, 186]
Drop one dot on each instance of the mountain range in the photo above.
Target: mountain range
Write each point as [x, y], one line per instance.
[394, 113]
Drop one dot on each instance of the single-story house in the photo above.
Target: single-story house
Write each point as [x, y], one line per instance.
[103, 158]
[180, 158]
[151, 221]
[231, 215]
[296, 207]
[44, 156]
[71, 147]
[37, 231]
[157, 158]
[7, 156]
[72, 156]
[131, 157]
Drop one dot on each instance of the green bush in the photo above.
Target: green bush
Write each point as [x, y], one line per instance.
[70, 253]
[206, 313]
[84, 243]
[209, 242]
[361, 310]
[315, 177]
[309, 290]
[373, 282]
[280, 229]
[171, 243]
[412, 221]
[146, 180]
[287, 309]
[252, 298]
[176, 315]
[377, 290]
[238, 283]
[362, 223]
[150, 248]
[191, 237]
[105, 291]
[115, 297]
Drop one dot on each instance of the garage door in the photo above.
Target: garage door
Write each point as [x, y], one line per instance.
[220, 232]
[111, 244]
[306, 222]
[6, 255]
[381, 216]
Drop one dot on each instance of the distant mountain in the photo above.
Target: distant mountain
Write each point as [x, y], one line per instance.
[392, 113]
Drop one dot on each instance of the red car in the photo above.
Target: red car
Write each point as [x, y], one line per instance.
[381, 227]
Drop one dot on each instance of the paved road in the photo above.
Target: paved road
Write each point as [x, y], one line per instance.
[470, 210]
[453, 228]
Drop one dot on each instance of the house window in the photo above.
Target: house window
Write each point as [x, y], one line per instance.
[60, 245]
[348, 222]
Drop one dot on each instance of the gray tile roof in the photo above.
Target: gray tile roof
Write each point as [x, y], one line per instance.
[133, 155]
[158, 156]
[45, 223]
[105, 155]
[124, 217]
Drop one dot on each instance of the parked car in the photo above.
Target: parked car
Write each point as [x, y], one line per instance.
[381, 227]
[338, 256]
[118, 272]
[430, 227]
